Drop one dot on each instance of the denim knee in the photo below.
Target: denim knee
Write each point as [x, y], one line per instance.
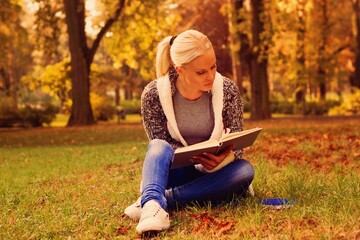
[159, 141]
[243, 172]
[158, 147]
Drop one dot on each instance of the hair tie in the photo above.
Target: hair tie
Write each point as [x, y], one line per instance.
[172, 40]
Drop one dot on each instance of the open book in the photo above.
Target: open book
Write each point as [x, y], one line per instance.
[239, 140]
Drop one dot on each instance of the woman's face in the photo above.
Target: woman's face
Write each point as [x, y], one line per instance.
[199, 74]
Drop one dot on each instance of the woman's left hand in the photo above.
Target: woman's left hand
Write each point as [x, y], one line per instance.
[210, 161]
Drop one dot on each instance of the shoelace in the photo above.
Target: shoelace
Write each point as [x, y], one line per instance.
[150, 209]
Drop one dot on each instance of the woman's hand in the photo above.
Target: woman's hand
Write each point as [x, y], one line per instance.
[210, 161]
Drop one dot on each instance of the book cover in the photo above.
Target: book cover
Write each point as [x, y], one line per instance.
[239, 140]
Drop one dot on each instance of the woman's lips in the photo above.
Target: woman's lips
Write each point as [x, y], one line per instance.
[209, 84]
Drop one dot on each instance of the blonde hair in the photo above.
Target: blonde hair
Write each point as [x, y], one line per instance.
[187, 46]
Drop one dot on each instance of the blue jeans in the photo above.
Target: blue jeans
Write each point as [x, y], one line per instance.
[184, 185]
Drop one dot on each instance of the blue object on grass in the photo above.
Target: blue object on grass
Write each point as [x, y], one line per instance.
[276, 203]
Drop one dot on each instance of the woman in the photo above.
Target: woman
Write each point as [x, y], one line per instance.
[189, 102]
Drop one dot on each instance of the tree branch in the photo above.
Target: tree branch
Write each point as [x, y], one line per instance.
[340, 49]
[5, 76]
[103, 31]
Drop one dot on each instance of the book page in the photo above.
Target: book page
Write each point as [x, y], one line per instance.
[240, 140]
[238, 134]
[201, 145]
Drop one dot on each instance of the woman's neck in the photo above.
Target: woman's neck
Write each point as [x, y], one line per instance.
[187, 92]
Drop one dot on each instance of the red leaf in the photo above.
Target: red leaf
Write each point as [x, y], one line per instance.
[224, 227]
[122, 231]
[207, 221]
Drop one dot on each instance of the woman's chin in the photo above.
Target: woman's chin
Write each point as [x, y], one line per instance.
[207, 87]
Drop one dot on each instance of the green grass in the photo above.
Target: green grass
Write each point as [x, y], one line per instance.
[58, 183]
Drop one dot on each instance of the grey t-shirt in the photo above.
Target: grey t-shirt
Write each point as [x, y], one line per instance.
[195, 119]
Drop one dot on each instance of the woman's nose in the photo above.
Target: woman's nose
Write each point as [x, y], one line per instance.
[210, 75]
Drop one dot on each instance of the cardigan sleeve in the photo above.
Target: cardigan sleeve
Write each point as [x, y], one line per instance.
[153, 116]
[233, 110]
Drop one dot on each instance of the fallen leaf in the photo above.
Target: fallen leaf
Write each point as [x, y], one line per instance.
[224, 227]
[207, 221]
[122, 230]
[292, 140]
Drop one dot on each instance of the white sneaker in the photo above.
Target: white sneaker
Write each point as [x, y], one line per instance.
[153, 218]
[134, 210]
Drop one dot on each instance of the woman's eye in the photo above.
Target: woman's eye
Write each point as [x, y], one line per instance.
[203, 72]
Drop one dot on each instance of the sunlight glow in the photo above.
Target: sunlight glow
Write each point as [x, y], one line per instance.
[91, 12]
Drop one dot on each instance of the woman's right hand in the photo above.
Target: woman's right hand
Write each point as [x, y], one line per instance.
[211, 161]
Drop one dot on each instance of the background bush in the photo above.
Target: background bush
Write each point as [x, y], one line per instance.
[31, 109]
[282, 107]
[103, 107]
[131, 106]
[36, 108]
[7, 106]
[8, 110]
[320, 108]
[37, 116]
[349, 106]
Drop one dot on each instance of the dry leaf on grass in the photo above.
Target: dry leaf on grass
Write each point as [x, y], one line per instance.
[224, 227]
[122, 230]
[207, 221]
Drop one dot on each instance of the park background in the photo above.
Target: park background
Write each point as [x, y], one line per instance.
[83, 64]
[90, 61]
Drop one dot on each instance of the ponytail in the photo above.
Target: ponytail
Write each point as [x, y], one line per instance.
[187, 46]
[163, 60]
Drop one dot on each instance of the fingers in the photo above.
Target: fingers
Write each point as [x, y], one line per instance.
[208, 163]
[228, 150]
[225, 153]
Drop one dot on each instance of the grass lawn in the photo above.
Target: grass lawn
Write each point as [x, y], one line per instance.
[74, 183]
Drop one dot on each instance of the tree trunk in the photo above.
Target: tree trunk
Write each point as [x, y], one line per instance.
[117, 95]
[81, 59]
[300, 91]
[81, 112]
[322, 53]
[6, 81]
[234, 43]
[260, 104]
[356, 78]
[244, 53]
[128, 93]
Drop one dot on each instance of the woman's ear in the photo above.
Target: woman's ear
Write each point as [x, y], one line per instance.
[178, 70]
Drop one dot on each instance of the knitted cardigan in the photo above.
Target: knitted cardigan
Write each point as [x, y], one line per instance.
[158, 115]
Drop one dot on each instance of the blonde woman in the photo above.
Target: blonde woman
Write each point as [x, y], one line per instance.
[189, 102]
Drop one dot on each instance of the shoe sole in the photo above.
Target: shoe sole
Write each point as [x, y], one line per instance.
[153, 229]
